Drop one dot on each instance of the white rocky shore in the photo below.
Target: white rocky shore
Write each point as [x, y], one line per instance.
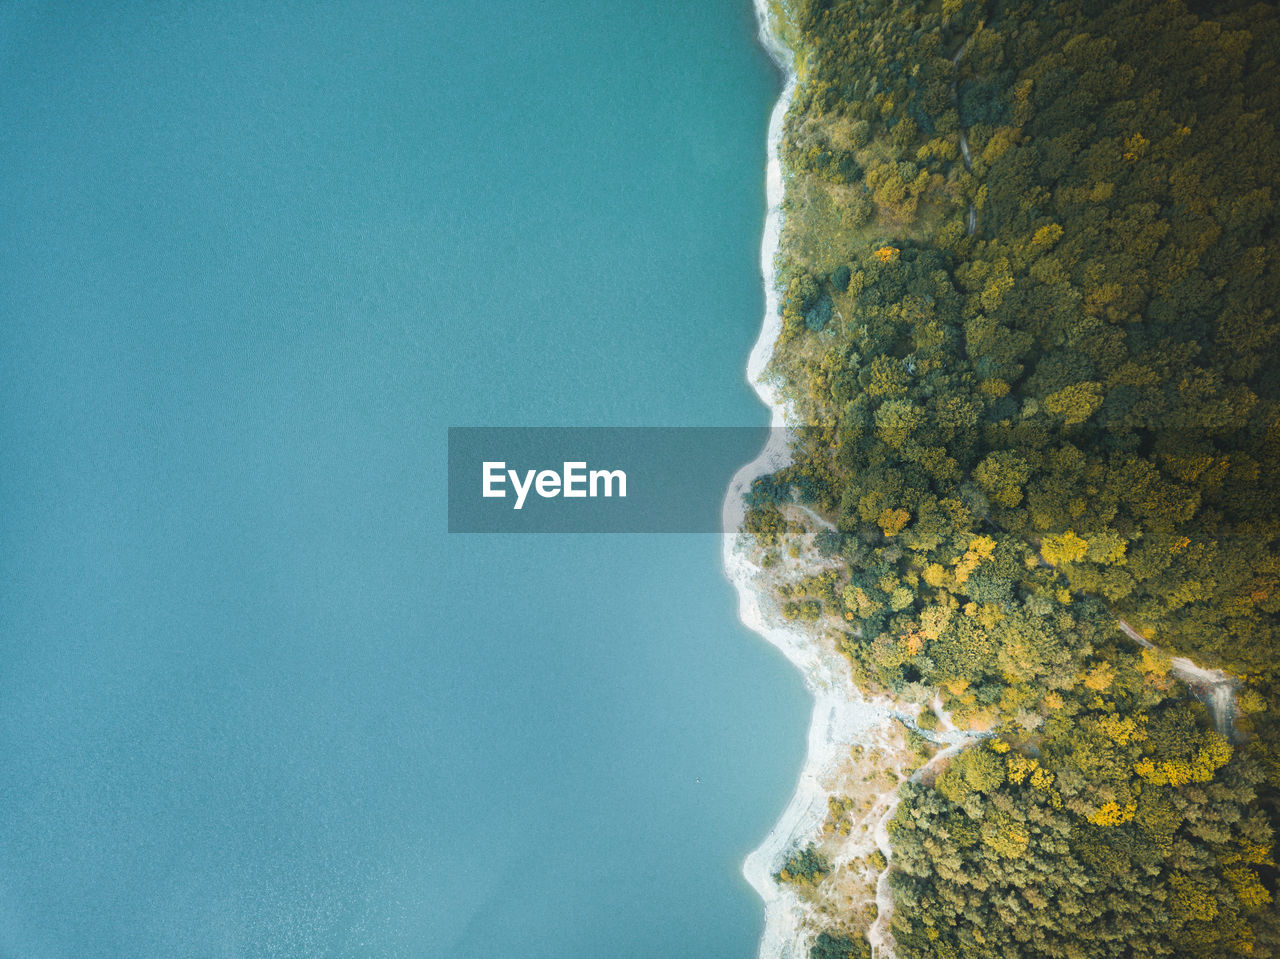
[858, 756]
[857, 750]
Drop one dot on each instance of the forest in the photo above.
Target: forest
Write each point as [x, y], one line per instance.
[1029, 276]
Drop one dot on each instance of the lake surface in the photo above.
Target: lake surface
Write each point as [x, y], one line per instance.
[254, 700]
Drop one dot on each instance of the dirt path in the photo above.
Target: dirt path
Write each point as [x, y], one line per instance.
[971, 217]
[881, 939]
[1214, 687]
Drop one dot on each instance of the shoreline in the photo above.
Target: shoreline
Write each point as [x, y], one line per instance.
[782, 910]
[836, 714]
[842, 718]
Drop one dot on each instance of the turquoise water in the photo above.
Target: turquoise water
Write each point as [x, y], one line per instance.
[254, 260]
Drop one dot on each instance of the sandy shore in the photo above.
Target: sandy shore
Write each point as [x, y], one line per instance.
[858, 754]
[856, 745]
[838, 719]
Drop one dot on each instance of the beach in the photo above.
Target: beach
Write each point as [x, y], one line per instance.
[856, 745]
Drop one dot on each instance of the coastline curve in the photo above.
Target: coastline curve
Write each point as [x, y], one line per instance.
[840, 716]
[782, 912]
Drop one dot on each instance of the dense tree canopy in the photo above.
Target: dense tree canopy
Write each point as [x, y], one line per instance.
[1030, 273]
